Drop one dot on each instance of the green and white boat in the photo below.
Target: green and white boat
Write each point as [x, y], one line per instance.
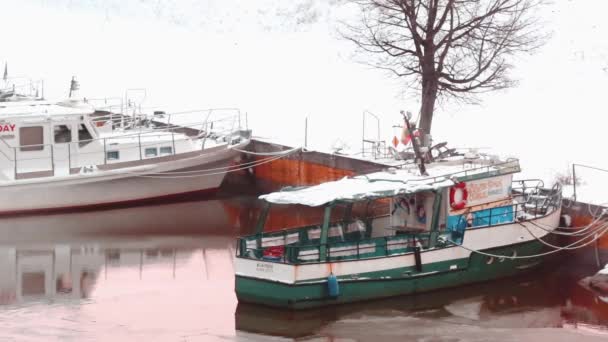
[398, 232]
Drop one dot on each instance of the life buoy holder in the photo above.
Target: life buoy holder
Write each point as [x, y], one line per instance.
[464, 195]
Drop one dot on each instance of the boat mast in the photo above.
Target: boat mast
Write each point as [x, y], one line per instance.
[419, 159]
[5, 75]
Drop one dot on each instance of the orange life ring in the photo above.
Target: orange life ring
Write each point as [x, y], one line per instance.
[459, 187]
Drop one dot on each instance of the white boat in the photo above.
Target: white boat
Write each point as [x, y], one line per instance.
[73, 154]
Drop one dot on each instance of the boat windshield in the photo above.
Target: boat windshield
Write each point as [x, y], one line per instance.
[84, 136]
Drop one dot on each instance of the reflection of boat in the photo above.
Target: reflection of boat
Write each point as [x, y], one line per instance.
[72, 154]
[195, 216]
[464, 223]
[585, 306]
[587, 302]
[61, 255]
[70, 270]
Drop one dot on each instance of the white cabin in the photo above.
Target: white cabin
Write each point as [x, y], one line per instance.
[43, 139]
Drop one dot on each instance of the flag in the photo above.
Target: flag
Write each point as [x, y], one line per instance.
[5, 77]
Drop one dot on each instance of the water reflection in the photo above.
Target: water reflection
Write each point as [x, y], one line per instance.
[165, 272]
[522, 307]
[189, 217]
[162, 272]
[479, 303]
[172, 286]
[72, 271]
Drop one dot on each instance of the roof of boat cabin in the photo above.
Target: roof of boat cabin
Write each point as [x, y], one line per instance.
[34, 109]
[388, 184]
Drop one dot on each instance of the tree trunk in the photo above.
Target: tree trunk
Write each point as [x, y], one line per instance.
[429, 95]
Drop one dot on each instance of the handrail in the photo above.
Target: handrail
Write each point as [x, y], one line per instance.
[148, 132]
[155, 108]
[355, 245]
[28, 87]
[385, 242]
[511, 163]
[225, 127]
[130, 117]
[574, 175]
[520, 213]
[363, 140]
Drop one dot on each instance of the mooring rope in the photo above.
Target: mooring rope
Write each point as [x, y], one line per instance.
[200, 173]
[583, 231]
[576, 231]
[571, 246]
[243, 165]
[603, 227]
[284, 152]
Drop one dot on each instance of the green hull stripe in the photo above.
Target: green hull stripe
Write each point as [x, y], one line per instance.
[393, 282]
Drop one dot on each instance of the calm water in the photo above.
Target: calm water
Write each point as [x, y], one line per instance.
[165, 273]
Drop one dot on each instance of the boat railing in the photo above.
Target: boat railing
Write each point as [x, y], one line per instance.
[293, 252]
[527, 203]
[21, 87]
[525, 207]
[70, 157]
[118, 113]
[574, 179]
[509, 166]
[294, 246]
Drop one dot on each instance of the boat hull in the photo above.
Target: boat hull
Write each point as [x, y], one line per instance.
[306, 285]
[198, 174]
[392, 282]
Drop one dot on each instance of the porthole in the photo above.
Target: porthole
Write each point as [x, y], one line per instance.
[490, 260]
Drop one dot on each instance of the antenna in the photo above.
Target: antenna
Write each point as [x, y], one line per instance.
[74, 85]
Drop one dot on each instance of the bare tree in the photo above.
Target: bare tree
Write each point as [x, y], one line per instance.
[446, 48]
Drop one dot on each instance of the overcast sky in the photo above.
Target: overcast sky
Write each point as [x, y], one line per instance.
[281, 61]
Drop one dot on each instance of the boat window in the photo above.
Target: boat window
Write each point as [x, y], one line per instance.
[31, 138]
[113, 155]
[151, 152]
[63, 284]
[84, 136]
[166, 150]
[32, 283]
[62, 133]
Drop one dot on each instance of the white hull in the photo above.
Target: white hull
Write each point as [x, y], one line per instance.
[118, 185]
[475, 239]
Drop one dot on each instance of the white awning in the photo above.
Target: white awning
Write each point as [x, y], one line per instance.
[387, 184]
[379, 184]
